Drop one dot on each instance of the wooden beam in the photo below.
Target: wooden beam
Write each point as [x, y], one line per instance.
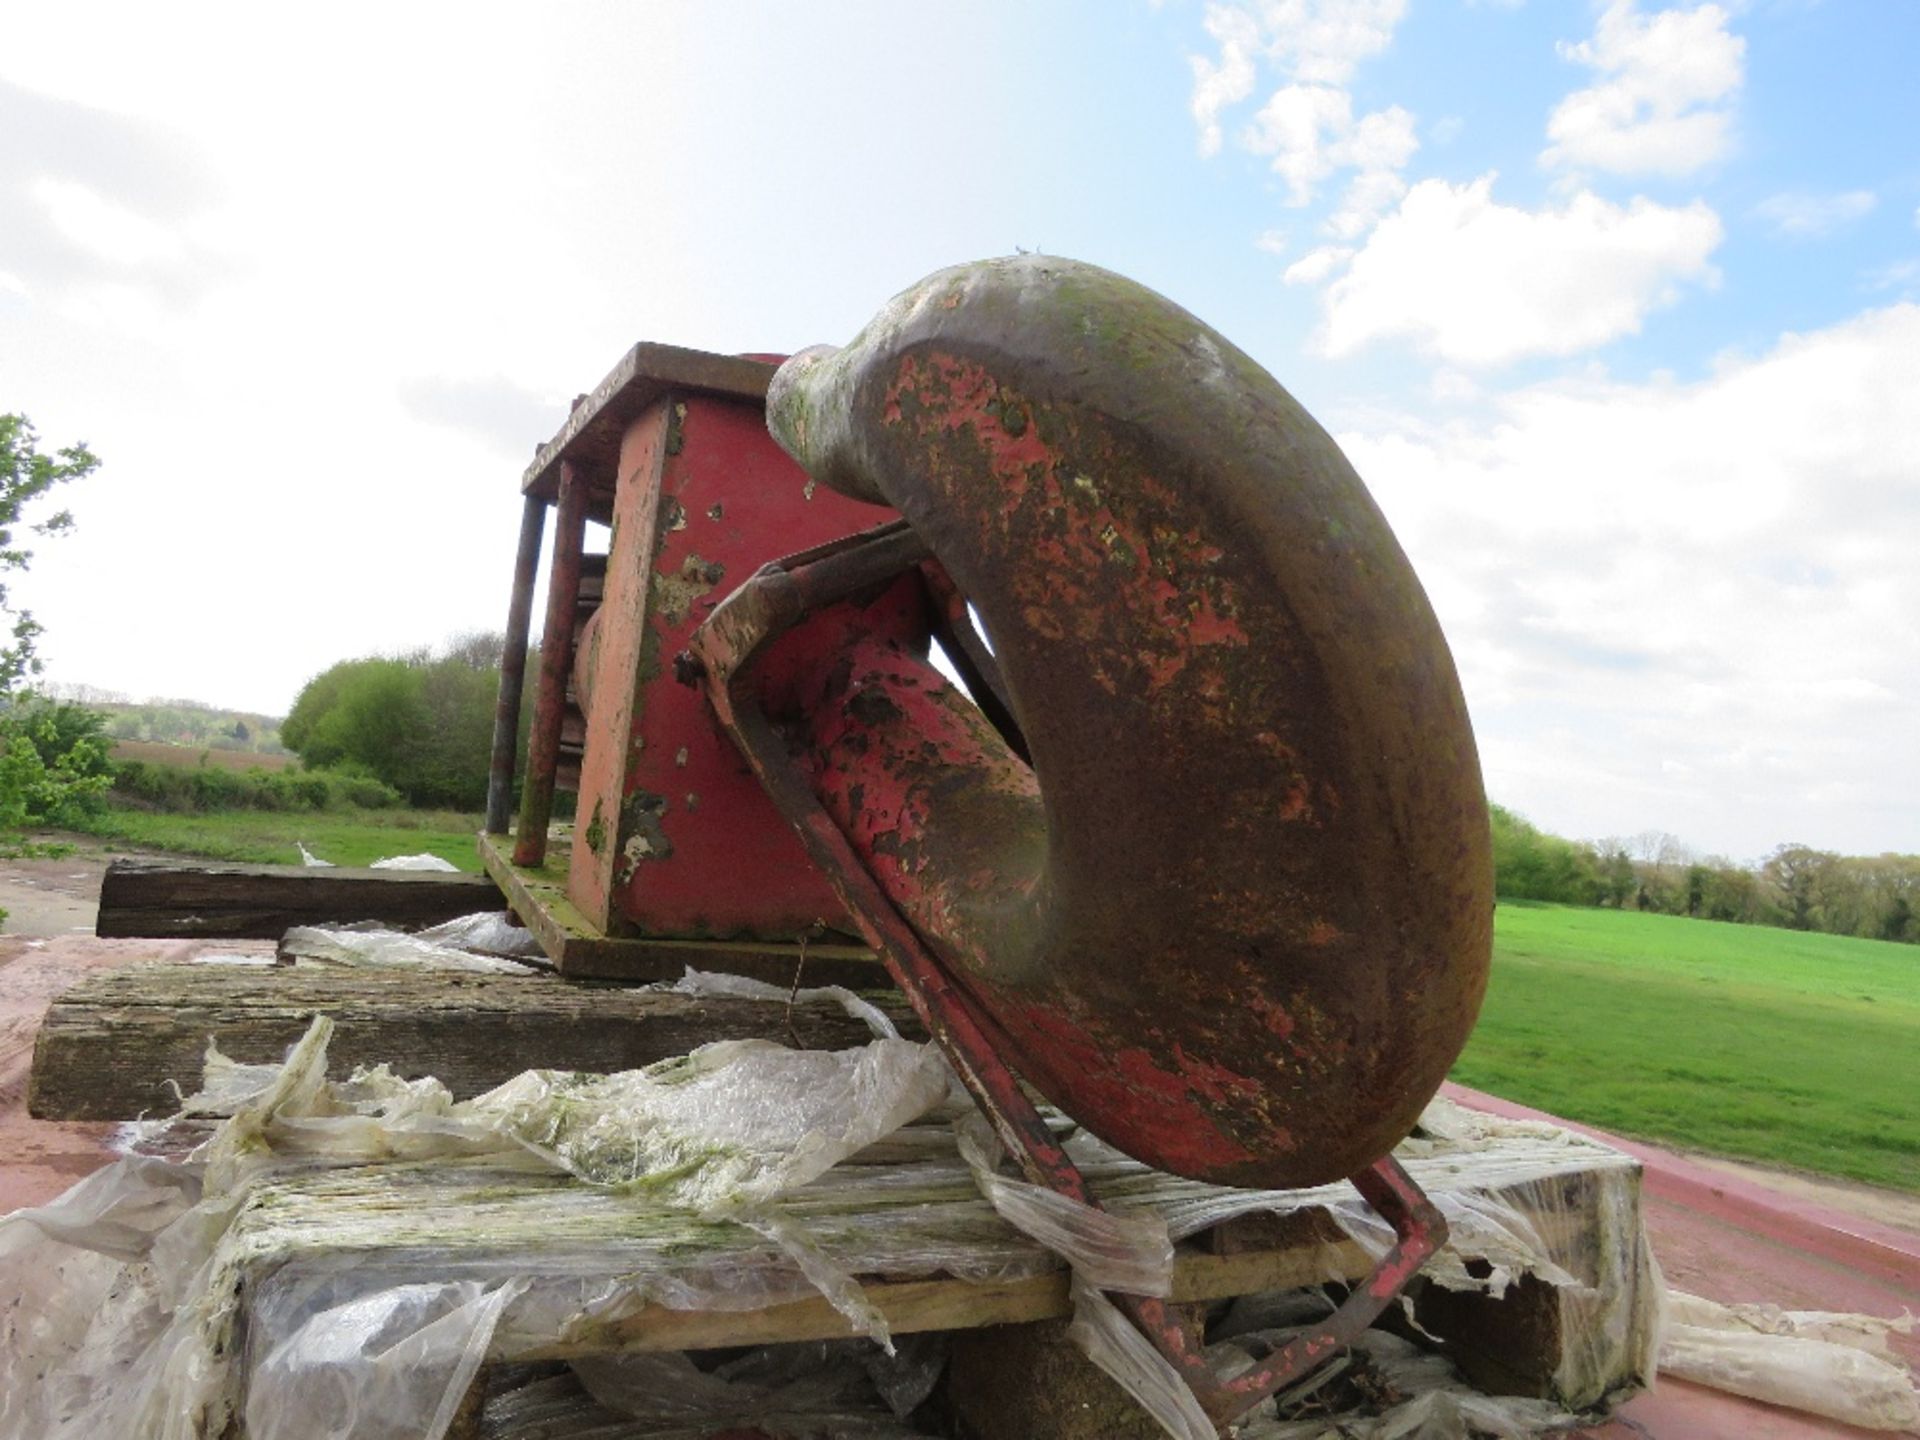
[579, 948]
[907, 1226]
[944, 1304]
[116, 1044]
[168, 900]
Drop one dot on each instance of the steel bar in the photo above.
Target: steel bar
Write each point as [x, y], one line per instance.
[967, 648]
[556, 661]
[513, 667]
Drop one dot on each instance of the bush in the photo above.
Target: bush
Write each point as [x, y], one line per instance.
[422, 724]
[181, 790]
[1529, 864]
[53, 764]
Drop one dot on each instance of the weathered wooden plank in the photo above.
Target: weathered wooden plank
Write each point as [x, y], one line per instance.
[174, 900]
[114, 1046]
[907, 1229]
[911, 1306]
[577, 947]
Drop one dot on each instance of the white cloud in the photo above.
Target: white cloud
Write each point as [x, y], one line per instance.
[1323, 41]
[1306, 126]
[104, 229]
[1218, 84]
[1810, 215]
[1901, 275]
[1368, 196]
[1709, 588]
[1659, 106]
[1299, 126]
[1475, 282]
[1315, 266]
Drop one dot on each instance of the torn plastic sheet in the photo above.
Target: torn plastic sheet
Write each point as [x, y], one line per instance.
[1835, 1365]
[1434, 1404]
[312, 1180]
[128, 1288]
[353, 1372]
[715, 984]
[1131, 1253]
[456, 945]
[1584, 1238]
[422, 861]
[800, 1391]
[1111, 1341]
[487, 932]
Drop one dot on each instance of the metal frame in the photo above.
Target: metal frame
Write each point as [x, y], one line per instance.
[778, 597]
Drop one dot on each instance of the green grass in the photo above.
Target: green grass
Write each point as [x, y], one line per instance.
[264, 837]
[1763, 1044]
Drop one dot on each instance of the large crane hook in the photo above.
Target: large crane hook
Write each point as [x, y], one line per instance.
[1218, 881]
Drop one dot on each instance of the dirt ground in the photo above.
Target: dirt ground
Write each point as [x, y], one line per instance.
[45, 898]
[48, 944]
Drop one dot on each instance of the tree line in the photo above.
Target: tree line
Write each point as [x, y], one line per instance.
[421, 722]
[1797, 887]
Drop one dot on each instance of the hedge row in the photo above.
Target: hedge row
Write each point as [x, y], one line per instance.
[185, 789]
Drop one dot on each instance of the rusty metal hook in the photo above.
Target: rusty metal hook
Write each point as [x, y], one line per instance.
[756, 615]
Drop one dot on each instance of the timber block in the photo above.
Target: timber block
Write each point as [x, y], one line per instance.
[1015, 1382]
[123, 1043]
[170, 900]
[578, 947]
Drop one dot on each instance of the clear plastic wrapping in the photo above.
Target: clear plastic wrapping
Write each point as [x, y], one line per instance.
[1434, 1402]
[1836, 1365]
[422, 861]
[475, 944]
[797, 1391]
[339, 1256]
[129, 1288]
[1542, 1202]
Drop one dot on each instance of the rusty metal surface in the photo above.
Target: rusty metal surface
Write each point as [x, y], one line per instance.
[1236, 916]
[513, 667]
[592, 435]
[673, 837]
[556, 659]
[729, 657]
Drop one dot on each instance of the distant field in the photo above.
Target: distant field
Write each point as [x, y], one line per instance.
[259, 837]
[1765, 1044]
[159, 752]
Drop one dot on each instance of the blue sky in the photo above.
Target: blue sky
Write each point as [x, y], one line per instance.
[1613, 305]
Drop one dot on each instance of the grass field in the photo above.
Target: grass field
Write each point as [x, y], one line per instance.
[263, 837]
[160, 752]
[1772, 1045]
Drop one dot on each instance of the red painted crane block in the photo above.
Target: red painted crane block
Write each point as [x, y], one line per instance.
[673, 837]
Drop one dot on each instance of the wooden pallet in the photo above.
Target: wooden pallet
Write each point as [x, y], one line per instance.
[396, 1225]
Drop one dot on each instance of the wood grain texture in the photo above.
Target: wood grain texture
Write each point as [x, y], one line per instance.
[173, 900]
[115, 1045]
[944, 1304]
[578, 947]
